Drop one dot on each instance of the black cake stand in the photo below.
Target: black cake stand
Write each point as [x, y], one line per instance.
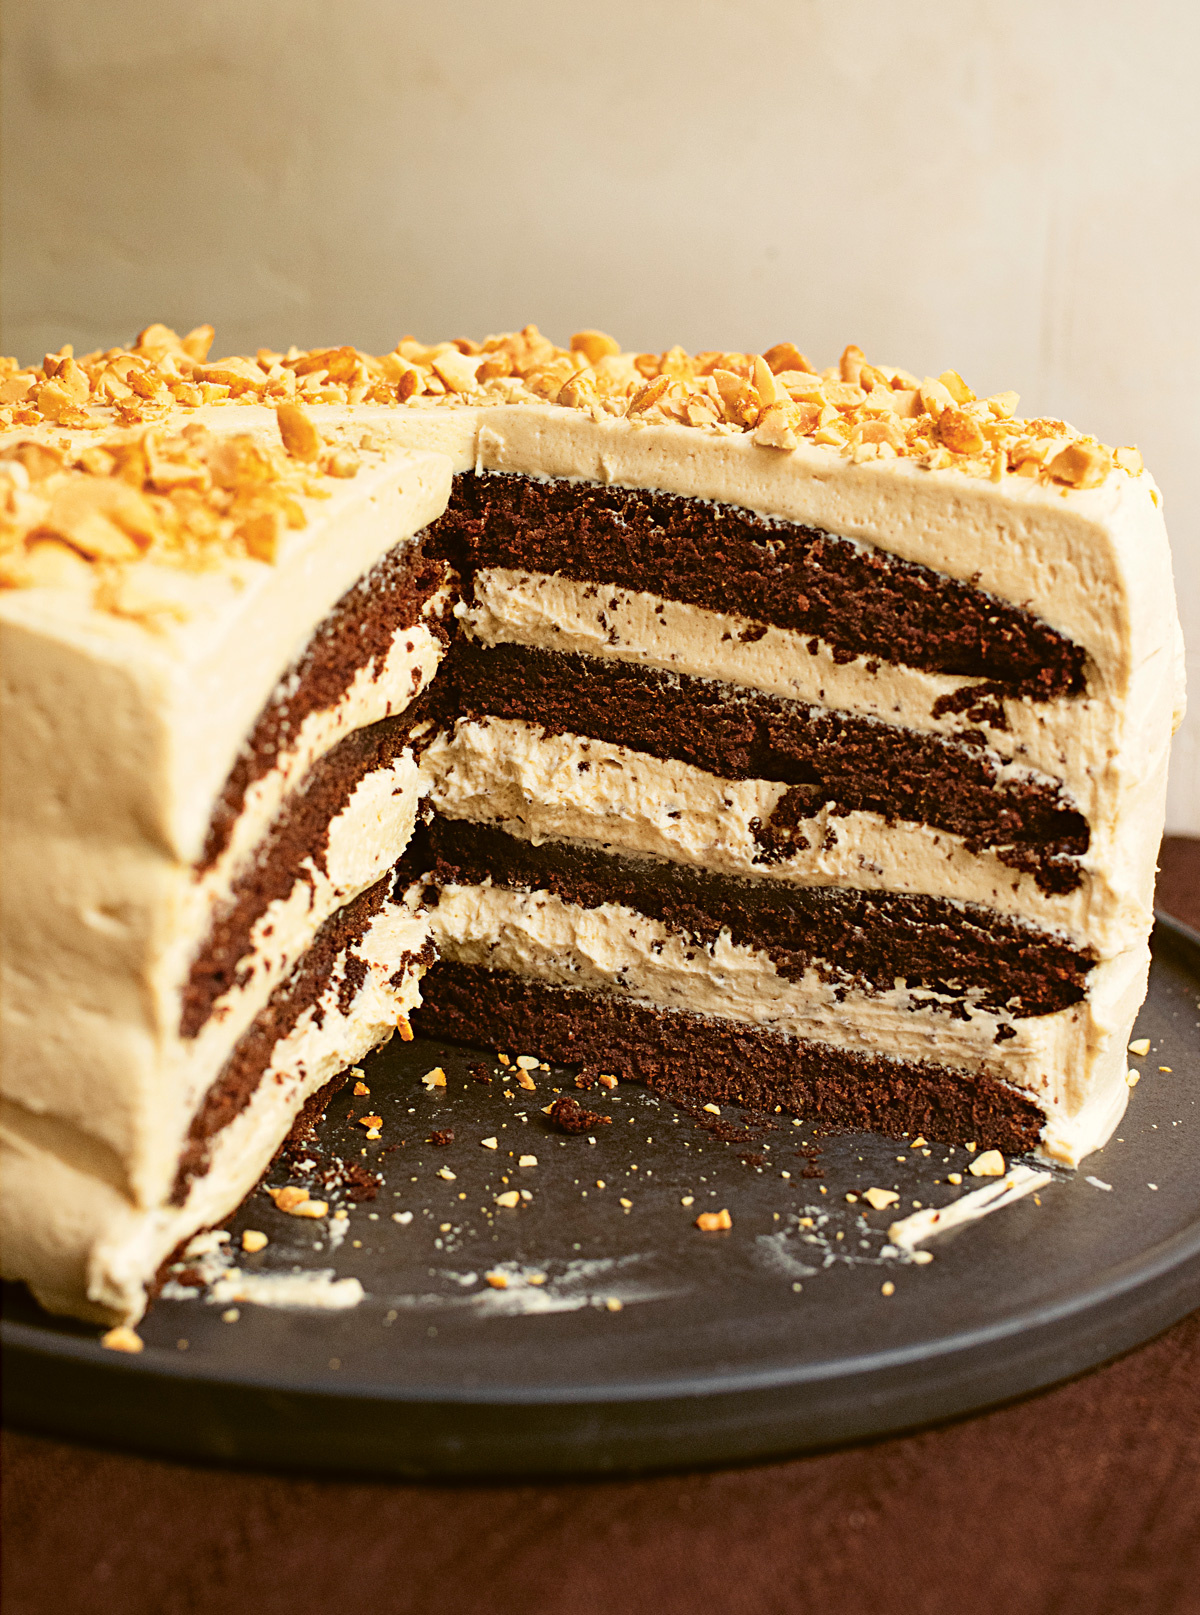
[646, 1343]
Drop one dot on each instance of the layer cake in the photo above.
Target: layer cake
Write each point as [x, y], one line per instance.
[782, 737]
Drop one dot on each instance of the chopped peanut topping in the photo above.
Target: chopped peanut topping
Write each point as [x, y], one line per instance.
[881, 1198]
[298, 431]
[115, 518]
[296, 1202]
[1082, 464]
[287, 1199]
[595, 345]
[959, 432]
[171, 493]
[122, 1338]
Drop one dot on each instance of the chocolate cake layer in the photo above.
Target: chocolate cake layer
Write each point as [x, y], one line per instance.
[300, 832]
[861, 601]
[234, 1088]
[854, 763]
[689, 1057]
[362, 626]
[861, 939]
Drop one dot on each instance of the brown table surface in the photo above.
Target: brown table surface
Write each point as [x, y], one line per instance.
[1085, 1498]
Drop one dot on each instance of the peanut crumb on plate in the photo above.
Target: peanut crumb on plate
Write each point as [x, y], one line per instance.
[122, 1338]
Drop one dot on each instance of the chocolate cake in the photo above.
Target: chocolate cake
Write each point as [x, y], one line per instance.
[767, 736]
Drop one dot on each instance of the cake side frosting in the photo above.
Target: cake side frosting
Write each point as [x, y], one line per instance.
[120, 729]
[197, 636]
[91, 1250]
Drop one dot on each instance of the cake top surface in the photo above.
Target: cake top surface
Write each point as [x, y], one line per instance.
[145, 521]
[854, 409]
[137, 482]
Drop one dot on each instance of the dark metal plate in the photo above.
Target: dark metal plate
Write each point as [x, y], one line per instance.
[764, 1340]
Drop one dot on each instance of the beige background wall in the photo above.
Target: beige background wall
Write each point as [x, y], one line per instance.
[1012, 190]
